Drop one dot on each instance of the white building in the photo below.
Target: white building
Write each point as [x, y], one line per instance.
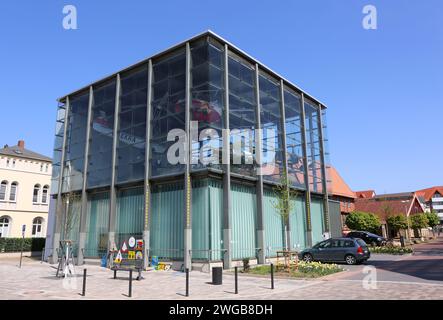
[25, 179]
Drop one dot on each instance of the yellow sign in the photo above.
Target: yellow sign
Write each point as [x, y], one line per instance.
[131, 255]
[118, 258]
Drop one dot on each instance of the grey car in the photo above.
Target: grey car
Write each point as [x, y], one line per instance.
[348, 250]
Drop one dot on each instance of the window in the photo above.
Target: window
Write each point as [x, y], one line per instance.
[13, 192]
[46, 169]
[4, 226]
[36, 195]
[41, 167]
[7, 163]
[45, 194]
[13, 163]
[3, 186]
[37, 227]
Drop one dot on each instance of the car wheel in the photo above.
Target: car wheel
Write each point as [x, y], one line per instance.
[307, 257]
[350, 259]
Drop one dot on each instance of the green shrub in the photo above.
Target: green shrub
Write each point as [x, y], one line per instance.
[391, 250]
[15, 244]
[363, 221]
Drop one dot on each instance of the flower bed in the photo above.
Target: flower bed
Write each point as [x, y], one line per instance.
[391, 250]
[304, 270]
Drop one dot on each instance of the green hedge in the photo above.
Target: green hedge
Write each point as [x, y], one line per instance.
[15, 244]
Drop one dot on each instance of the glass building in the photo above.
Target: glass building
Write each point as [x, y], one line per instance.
[112, 177]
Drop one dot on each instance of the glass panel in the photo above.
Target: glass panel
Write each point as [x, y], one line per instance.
[242, 115]
[207, 104]
[71, 226]
[131, 144]
[97, 224]
[270, 116]
[294, 139]
[3, 190]
[58, 147]
[130, 215]
[313, 147]
[168, 110]
[102, 133]
[75, 143]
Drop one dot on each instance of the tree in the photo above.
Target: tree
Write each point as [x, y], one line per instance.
[363, 221]
[418, 222]
[433, 219]
[284, 203]
[397, 222]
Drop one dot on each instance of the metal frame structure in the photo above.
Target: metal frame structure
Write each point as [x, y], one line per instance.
[188, 175]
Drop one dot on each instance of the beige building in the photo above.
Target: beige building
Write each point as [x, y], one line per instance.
[25, 178]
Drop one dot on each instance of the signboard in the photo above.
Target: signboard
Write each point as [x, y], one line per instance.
[130, 250]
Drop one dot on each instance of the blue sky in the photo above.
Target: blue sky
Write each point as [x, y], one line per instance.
[384, 87]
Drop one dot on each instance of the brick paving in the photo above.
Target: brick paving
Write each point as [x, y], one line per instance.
[37, 280]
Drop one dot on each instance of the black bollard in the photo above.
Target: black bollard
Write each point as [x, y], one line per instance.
[187, 282]
[272, 276]
[130, 284]
[236, 280]
[84, 283]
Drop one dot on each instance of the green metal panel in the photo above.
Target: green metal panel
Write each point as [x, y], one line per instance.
[244, 221]
[317, 220]
[274, 227]
[130, 214]
[167, 221]
[335, 219]
[200, 220]
[216, 218]
[97, 224]
[297, 223]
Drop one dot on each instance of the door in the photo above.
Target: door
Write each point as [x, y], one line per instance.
[337, 250]
[322, 252]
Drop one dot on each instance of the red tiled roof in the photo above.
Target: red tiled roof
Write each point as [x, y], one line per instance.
[366, 194]
[429, 192]
[337, 186]
[385, 207]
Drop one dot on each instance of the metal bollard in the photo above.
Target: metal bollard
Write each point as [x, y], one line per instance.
[272, 276]
[187, 282]
[236, 279]
[130, 284]
[84, 283]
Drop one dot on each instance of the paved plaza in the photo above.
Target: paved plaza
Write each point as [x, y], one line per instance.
[417, 276]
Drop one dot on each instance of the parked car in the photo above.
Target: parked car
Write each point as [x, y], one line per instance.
[348, 250]
[370, 238]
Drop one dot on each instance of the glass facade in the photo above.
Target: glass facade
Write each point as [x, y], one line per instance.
[207, 103]
[294, 139]
[315, 175]
[271, 123]
[75, 142]
[168, 110]
[102, 133]
[242, 115]
[131, 143]
[58, 147]
[250, 88]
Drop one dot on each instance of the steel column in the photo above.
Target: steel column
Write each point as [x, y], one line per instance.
[187, 177]
[84, 210]
[285, 161]
[147, 225]
[113, 193]
[227, 257]
[59, 203]
[261, 244]
[324, 171]
[306, 174]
